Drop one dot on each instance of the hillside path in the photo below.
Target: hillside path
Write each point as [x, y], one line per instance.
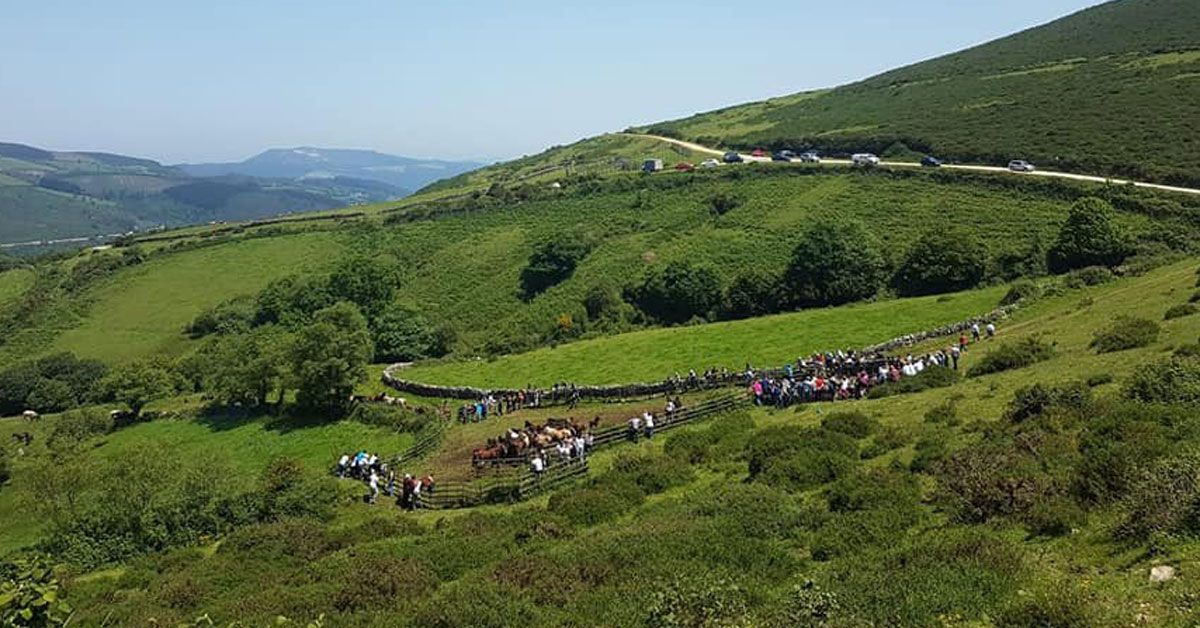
[905, 164]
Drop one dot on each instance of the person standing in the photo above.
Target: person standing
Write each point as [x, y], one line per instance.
[635, 427]
[373, 483]
[648, 424]
[991, 330]
[975, 332]
[954, 355]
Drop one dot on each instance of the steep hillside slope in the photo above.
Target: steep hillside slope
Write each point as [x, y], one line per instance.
[1114, 89]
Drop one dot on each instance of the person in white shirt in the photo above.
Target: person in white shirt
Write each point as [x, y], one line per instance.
[537, 464]
[579, 445]
[343, 464]
[373, 482]
[635, 427]
[991, 330]
[648, 422]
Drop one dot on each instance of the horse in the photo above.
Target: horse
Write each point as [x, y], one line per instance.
[481, 455]
[557, 434]
[30, 415]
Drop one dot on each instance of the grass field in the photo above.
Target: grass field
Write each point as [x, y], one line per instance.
[770, 341]
[143, 309]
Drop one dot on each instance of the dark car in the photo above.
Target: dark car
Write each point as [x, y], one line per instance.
[733, 158]
[929, 161]
[783, 155]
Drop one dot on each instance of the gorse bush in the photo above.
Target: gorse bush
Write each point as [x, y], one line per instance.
[1124, 333]
[393, 417]
[1181, 310]
[1090, 276]
[1024, 290]
[1164, 501]
[853, 424]
[1038, 399]
[1008, 356]
[1175, 380]
[796, 459]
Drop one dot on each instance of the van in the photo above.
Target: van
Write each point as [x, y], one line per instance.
[864, 159]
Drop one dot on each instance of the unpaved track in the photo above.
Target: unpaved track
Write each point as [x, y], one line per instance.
[905, 164]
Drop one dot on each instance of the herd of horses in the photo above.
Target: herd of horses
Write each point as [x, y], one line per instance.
[515, 442]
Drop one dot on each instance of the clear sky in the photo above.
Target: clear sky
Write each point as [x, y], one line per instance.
[224, 79]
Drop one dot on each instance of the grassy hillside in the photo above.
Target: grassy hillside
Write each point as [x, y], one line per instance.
[606, 154]
[1112, 89]
[768, 341]
[462, 269]
[687, 525]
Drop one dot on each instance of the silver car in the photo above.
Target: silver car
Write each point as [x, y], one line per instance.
[1020, 165]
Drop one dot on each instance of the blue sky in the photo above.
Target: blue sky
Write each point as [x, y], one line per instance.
[224, 79]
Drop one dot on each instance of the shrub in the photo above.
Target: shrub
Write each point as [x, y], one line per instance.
[701, 599]
[1055, 608]
[887, 439]
[1181, 310]
[1055, 516]
[652, 473]
[1195, 298]
[931, 377]
[1164, 501]
[602, 302]
[853, 424]
[1024, 290]
[1088, 238]
[796, 458]
[597, 503]
[329, 357]
[1175, 380]
[941, 260]
[1099, 379]
[722, 203]
[228, 317]
[873, 489]
[1090, 276]
[1008, 356]
[945, 413]
[748, 510]
[691, 446]
[835, 263]
[1190, 350]
[72, 428]
[1124, 333]
[1033, 401]
[551, 263]
[677, 293]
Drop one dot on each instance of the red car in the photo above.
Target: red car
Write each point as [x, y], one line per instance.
[684, 166]
[758, 152]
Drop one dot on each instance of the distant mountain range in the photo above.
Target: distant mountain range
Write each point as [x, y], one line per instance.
[51, 195]
[309, 163]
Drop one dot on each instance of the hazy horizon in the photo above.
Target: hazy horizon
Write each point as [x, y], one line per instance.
[468, 81]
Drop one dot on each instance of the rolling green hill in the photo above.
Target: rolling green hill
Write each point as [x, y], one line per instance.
[904, 515]
[462, 266]
[1114, 89]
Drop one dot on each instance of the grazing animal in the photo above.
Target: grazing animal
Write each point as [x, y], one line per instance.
[30, 415]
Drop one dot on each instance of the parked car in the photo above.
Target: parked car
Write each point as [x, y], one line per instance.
[685, 166]
[710, 163]
[810, 157]
[783, 155]
[758, 152]
[652, 165]
[732, 157]
[929, 161]
[1020, 165]
[864, 159]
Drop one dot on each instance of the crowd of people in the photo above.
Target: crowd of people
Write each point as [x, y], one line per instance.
[840, 376]
[374, 472]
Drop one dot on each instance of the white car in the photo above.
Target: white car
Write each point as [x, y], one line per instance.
[810, 157]
[710, 163]
[1020, 165]
[864, 159]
